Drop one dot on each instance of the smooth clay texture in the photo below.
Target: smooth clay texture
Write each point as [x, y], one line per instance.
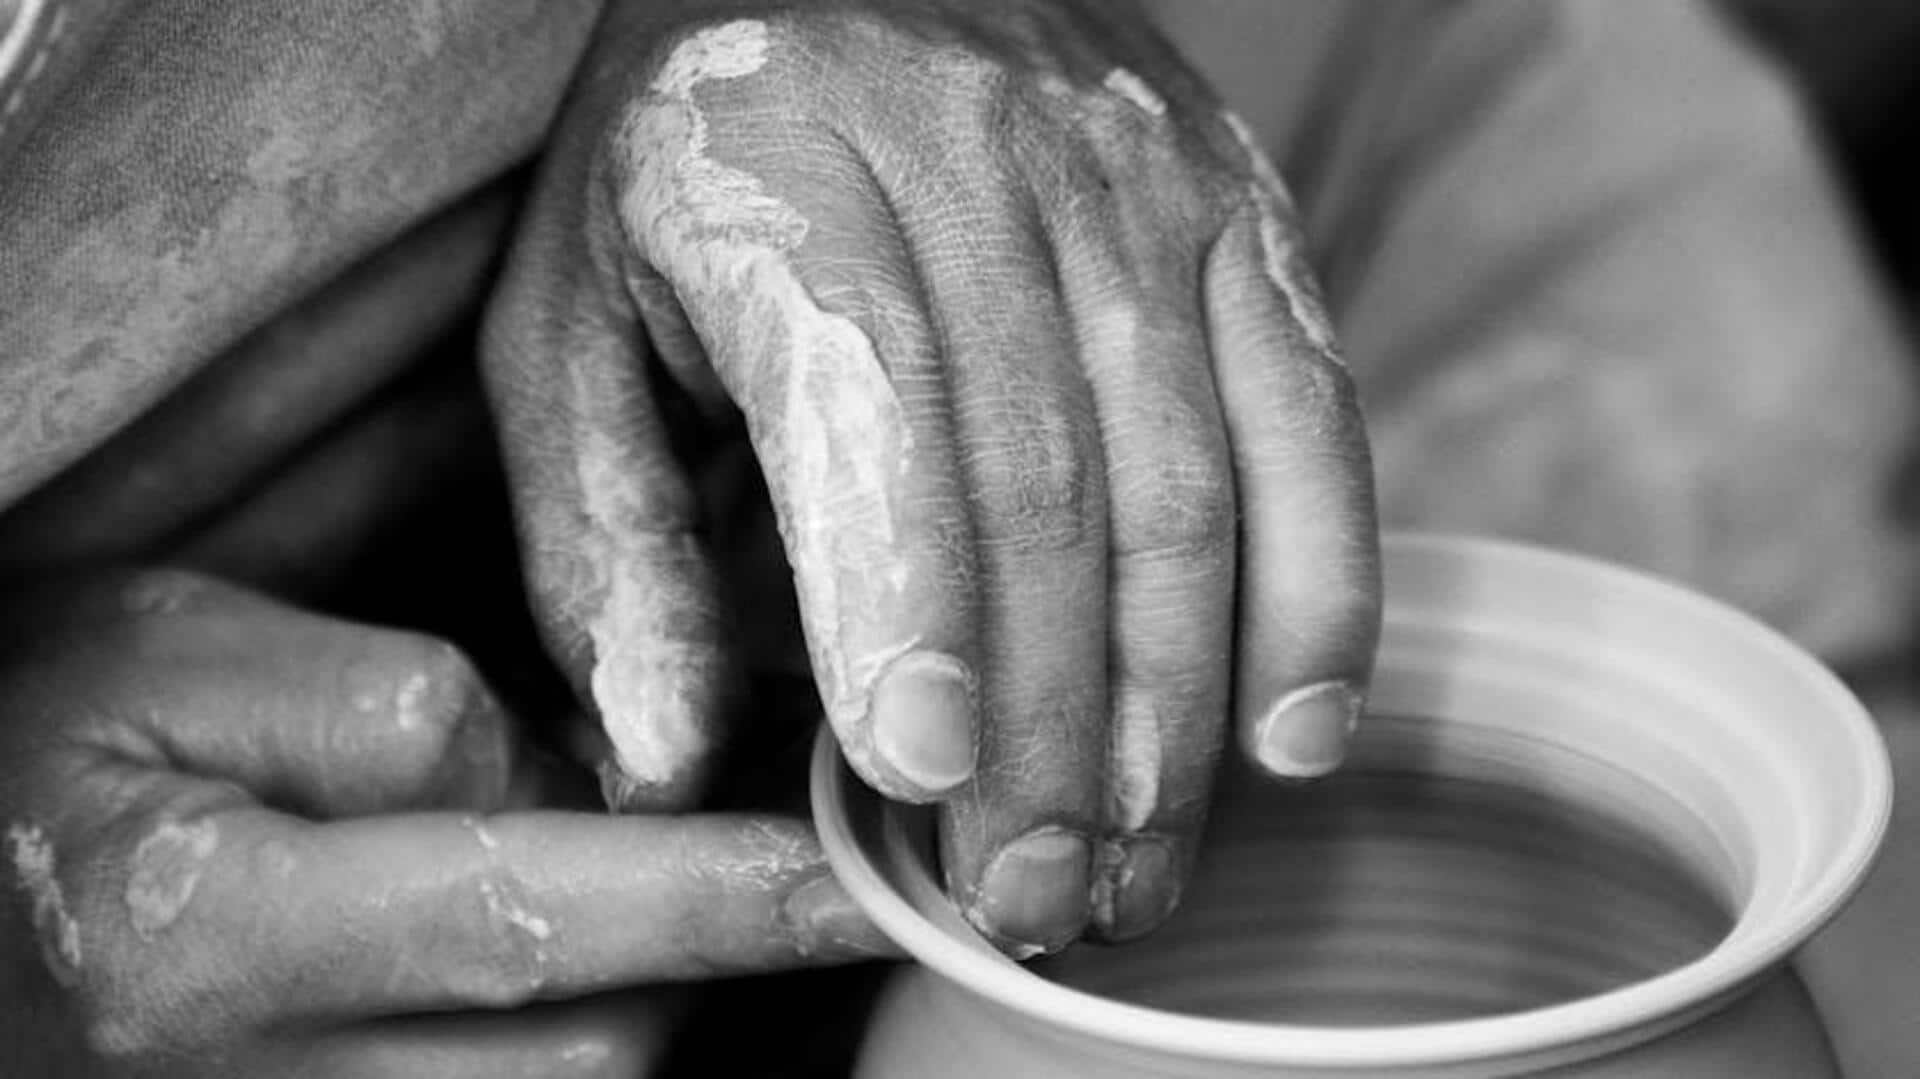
[1386, 896]
[1586, 821]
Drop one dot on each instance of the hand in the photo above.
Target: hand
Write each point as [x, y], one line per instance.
[1060, 446]
[246, 840]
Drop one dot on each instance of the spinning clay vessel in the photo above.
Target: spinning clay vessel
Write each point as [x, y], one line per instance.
[1587, 820]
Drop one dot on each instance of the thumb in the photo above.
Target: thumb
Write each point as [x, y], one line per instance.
[621, 583]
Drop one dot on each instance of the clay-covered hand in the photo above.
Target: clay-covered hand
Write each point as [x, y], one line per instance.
[246, 840]
[1060, 446]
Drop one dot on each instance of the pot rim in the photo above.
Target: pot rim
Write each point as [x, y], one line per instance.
[955, 951]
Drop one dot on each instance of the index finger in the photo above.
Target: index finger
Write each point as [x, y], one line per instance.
[189, 925]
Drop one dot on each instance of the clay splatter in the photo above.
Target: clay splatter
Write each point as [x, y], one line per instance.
[166, 870]
[644, 672]
[59, 934]
[409, 701]
[506, 909]
[828, 423]
[1286, 262]
[1130, 86]
[1136, 763]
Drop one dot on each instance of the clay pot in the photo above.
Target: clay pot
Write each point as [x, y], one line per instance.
[1587, 822]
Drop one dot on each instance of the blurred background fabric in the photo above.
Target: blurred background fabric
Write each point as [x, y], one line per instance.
[1858, 64]
[1601, 290]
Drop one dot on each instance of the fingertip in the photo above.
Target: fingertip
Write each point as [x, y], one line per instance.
[600, 774]
[663, 704]
[443, 715]
[1306, 733]
[1138, 886]
[623, 792]
[827, 924]
[878, 774]
[1035, 896]
[923, 715]
[482, 747]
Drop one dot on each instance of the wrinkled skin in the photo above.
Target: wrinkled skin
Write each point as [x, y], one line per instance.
[1539, 139]
[251, 840]
[1013, 316]
[1087, 382]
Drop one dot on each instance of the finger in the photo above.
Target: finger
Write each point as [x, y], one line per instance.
[621, 583]
[813, 317]
[1309, 599]
[318, 716]
[614, 1036]
[223, 431]
[198, 915]
[1018, 841]
[1130, 269]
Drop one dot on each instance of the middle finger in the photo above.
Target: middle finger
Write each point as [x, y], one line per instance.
[1127, 219]
[1018, 840]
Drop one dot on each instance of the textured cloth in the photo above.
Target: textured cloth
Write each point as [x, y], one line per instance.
[186, 170]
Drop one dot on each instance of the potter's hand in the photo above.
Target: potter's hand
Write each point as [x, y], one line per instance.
[1059, 443]
[244, 840]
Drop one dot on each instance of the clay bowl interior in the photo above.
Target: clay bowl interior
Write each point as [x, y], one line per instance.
[1585, 804]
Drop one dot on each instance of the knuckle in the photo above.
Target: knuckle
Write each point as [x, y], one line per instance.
[1314, 407]
[1175, 677]
[497, 955]
[1036, 485]
[1003, 99]
[1177, 503]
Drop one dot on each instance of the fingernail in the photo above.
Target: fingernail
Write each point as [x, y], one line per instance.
[1306, 734]
[1035, 893]
[828, 924]
[1139, 886]
[478, 766]
[923, 720]
[623, 793]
